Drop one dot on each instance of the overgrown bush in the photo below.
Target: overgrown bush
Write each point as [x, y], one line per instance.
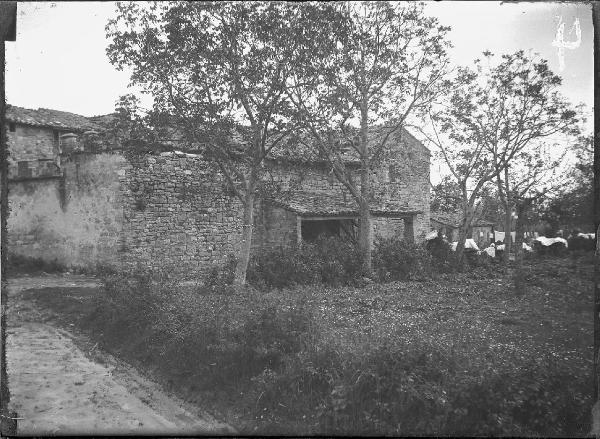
[441, 253]
[580, 243]
[481, 261]
[396, 259]
[212, 337]
[331, 261]
[556, 249]
[421, 389]
[289, 363]
[219, 278]
[24, 264]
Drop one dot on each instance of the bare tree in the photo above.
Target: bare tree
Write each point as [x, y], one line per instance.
[532, 176]
[219, 69]
[496, 111]
[371, 63]
[468, 163]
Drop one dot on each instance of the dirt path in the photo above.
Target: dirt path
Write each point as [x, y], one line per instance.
[57, 388]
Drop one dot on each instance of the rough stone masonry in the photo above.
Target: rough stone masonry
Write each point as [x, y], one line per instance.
[173, 209]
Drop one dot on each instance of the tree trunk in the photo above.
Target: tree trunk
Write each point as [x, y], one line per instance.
[519, 275]
[462, 232]
[460, 245]
[365, 231]
[365, 238]
[507, 227]
[243, 258]
[519, 229]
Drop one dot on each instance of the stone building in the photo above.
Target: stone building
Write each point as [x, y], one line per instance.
[64, 201]
[175, 208]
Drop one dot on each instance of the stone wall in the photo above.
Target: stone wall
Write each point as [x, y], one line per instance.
[32, 205]
[36, 145]
[400, 181]
[386, 228]
[177, 213]
[274, 227]
[31, 142]
[173, 209]
[78, 224]
[408, 167]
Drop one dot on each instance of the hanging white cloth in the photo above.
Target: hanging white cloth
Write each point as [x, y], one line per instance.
[499, 236]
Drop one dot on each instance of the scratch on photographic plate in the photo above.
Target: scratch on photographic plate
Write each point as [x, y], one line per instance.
[561, 44]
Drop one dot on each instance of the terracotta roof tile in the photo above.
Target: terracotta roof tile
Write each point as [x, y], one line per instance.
[49, 118]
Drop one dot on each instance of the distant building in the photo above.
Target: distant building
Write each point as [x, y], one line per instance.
[481, 231]
[38, 138]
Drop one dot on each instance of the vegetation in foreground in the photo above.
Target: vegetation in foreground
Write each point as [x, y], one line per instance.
[452, 354]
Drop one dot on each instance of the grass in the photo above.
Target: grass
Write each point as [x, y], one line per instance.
[458, 355]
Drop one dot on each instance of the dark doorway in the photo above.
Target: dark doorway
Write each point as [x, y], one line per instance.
[313, 229]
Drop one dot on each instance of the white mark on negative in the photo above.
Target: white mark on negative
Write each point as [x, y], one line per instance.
[561, 44]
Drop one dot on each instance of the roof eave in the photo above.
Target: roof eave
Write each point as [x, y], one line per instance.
[54, 127]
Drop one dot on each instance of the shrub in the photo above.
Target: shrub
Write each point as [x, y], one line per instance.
[556, 249]
[422, 389]
[218, 339]
[440, 251]
[480, 260]
[219, 278]
[579, 243]
[270, 345]
[395, 259]
[331, 261]
[24, 264]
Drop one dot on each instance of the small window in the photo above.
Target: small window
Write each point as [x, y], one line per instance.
[56, 134]
[12, 127]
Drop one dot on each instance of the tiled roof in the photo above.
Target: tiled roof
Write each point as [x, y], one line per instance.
[454, 219]
[50, 118]
[296, 150]
[325, 204]
[300, 153]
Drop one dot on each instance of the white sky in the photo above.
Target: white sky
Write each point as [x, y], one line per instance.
[504, 28]
[59, 59]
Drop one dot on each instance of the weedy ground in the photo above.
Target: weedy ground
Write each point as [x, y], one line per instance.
[455, 354]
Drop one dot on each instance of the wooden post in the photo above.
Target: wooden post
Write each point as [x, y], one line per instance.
[596, 370]
[298, 229]
[8, 26]
[409, 229]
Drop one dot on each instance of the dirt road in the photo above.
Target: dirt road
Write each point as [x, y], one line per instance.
[62, 387]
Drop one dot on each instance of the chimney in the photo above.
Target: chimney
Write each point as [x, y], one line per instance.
[68, 143]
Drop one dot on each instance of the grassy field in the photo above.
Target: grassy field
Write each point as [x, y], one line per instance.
[461, 354]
